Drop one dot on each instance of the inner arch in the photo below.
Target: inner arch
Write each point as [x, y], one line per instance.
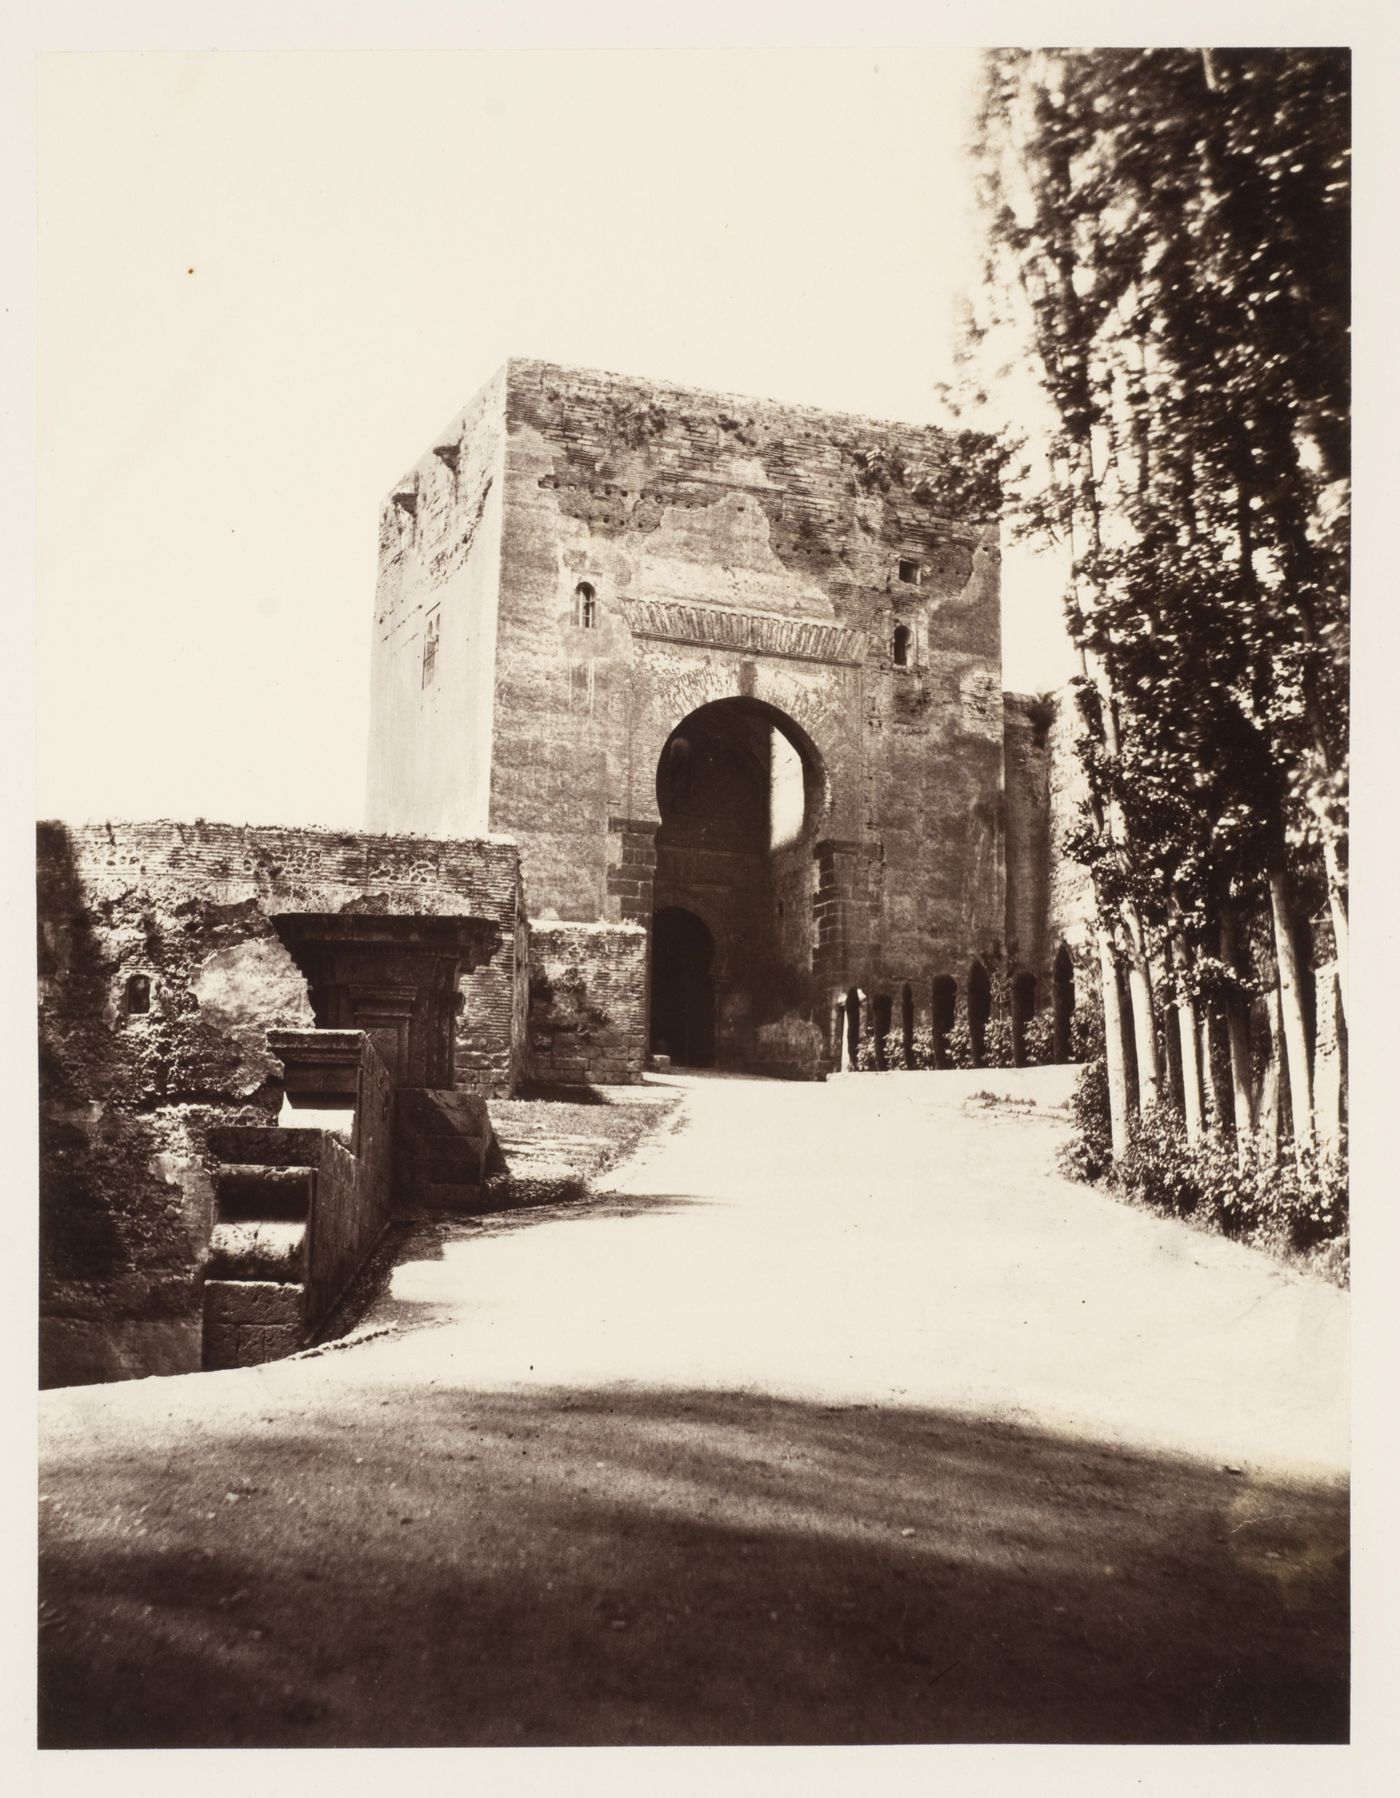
[741, 791]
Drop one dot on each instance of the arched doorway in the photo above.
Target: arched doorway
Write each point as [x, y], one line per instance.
[682, 992]
[741, 790]
[945, 1015]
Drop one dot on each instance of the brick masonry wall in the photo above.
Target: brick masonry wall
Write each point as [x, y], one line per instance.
[127, 1094]
[587, 1021]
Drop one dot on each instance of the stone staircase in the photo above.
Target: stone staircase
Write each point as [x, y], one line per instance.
[255, 1289]
[299, 1204]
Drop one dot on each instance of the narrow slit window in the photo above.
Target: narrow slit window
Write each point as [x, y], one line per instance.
[585, 605]
[902, 635]
[138, 995]
[430, 648]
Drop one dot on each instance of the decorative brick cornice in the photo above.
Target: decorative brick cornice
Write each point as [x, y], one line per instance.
[761, 633]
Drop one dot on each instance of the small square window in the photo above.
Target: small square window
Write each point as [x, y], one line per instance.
[909, 571]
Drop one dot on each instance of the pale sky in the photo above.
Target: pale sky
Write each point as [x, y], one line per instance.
[266, 281]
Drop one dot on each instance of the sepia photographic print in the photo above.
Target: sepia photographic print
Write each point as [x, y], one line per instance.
[693, 723]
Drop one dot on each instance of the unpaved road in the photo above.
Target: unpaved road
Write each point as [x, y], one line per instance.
[840, 1419]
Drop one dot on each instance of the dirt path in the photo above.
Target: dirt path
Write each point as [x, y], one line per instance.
[840, 1418]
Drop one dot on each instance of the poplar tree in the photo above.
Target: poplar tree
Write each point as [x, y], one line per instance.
[1170, 231]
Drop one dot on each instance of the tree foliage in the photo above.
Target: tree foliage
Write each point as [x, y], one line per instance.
[1170, 228]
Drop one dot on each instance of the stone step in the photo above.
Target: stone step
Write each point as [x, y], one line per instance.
[248, 1322]
[262, 1250]
[247, 1191]
[266, 1145]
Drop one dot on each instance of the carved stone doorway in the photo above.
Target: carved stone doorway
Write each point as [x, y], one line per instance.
[394, 978]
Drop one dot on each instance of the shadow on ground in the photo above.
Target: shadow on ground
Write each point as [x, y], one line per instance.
[424, 1566]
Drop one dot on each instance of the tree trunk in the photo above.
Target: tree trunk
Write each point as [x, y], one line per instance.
[1215, 1058]
[1295, 1031]
[1237, 1032]
[1328, 1062]
[1337, 903]
[1267, 1110]
[1188, 1032]
[1149, 1062]
[1114, 1063]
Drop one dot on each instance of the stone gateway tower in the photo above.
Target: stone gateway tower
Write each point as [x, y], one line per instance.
[729, 672]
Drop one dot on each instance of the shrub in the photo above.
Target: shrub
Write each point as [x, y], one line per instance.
[1158, 1167]
[1086, 1033]
[957, 1045]
[1090, 1153]
[1038, 1040]
[1280, 1205]
[998, 1046]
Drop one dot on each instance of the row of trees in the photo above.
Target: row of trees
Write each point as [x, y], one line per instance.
[1170, 228]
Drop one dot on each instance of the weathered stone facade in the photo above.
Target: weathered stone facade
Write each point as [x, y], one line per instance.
[173, 1008]
[717, 659]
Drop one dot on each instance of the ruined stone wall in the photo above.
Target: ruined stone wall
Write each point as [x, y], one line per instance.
[587, 1023]
[354, 1193]
[434, 649]
[160, 974]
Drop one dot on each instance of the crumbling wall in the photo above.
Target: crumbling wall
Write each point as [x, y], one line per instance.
[354, 1192]
[127, 1094]
[587, 1024]
[160, 974]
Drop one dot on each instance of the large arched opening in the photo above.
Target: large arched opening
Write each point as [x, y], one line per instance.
[741, 791]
